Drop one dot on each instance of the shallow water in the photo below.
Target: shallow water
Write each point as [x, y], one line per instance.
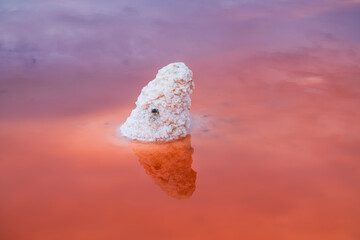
[274, 148]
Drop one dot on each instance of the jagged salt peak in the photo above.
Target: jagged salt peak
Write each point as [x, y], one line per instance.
[162, 108]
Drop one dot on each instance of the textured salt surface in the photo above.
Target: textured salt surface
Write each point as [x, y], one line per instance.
[162, 108]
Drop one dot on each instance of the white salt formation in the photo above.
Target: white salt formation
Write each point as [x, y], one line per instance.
[162, 109]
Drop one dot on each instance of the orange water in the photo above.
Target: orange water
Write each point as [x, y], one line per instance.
[274, 149]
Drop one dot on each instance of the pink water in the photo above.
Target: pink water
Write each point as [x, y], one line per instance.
[274, 150]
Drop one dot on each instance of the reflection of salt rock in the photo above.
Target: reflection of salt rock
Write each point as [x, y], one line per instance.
[162, 109]
[169, 165]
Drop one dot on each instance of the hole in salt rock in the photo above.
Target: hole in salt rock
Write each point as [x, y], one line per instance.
[155, 111]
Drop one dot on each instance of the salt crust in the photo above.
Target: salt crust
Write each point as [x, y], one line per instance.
[162, 109]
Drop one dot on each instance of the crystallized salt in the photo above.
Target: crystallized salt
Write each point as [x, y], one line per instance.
[162, 109]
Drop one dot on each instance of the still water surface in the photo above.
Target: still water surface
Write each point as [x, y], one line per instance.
[274, 149]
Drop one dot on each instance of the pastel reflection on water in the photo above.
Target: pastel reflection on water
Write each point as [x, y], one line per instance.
[169, 165]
